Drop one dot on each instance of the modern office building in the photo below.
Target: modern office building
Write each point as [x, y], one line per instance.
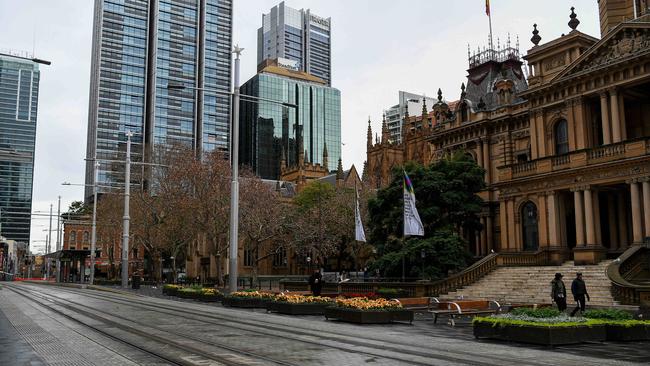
[298, 39]
[139, 47]
[19, 82]
[407, 102]
[272, 134]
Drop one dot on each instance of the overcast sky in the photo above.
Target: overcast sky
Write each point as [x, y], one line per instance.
[378, 48]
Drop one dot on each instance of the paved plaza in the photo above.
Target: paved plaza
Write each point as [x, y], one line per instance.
[70, 326]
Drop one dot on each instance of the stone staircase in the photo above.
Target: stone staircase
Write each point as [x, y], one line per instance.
[532, 284]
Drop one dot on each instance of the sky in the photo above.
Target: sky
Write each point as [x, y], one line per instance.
[379, 47]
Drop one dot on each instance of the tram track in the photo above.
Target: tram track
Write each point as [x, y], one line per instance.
[373, 347]
[193, 357]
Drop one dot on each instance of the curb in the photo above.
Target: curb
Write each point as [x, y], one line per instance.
[83, 286]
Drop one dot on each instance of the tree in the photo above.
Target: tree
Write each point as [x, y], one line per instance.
[262, 220]
[110, 210]
[448, 204]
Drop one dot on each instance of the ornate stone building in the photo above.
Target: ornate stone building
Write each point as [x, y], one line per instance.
[565, 141]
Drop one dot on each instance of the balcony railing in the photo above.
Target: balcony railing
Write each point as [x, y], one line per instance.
[576, 159]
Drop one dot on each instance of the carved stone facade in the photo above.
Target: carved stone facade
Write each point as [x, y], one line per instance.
[566, 151]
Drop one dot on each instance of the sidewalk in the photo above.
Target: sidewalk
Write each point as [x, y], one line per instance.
[13, 348]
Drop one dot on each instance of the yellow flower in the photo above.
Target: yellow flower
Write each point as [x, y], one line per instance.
[363, 303]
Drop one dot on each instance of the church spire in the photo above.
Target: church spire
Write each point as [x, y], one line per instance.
[339, 170]
[384, 131]
[369, 136]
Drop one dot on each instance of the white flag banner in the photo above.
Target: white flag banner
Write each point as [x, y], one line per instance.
[359, 234]
[412, 223]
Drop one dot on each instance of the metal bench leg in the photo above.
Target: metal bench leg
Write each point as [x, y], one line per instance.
[435, 318]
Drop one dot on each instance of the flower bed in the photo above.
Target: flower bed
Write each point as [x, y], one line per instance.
[198, 293]
[544, 331]
[247, 299]
[368, 311]
[619, 325]
[171, 290]
[299, 304]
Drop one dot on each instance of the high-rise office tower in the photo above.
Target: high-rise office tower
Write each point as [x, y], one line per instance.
[408, 102]
[297, 39]
[140, 47]
[19, 81]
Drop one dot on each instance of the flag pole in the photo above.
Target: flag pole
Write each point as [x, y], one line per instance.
[489, 14]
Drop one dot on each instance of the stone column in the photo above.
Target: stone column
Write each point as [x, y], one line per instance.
[637, 225]
[542, 223]
[552, 219]
[612, 220]
[479, 154]
[621, 109]
[486, 160]
[503, 221]
[599, 233]
[484, 237]
[589, 217]
[623, 218]
[616, 123]
[646, 206]
[490, 238]
[604, 113]
[512, 229]
[580, 221]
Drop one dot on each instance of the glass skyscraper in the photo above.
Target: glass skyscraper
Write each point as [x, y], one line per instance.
[299, 39]
[19, 80]
[139, 47]
[272, 132]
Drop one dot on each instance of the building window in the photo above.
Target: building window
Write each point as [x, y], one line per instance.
[561, 136]
[73, 238]
[249, 257]
[464, 114]
[86, 237]
[529, 223]
[280, 257]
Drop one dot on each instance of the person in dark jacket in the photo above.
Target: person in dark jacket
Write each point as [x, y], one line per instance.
[558, 292]
[579, 290]
[316, 282]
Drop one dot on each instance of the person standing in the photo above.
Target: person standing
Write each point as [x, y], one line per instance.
[316, 282]
[579, 290]
[558, 292]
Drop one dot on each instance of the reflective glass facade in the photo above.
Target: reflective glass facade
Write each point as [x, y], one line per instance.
[139, 47]
[269, 131]
[296, 35]
[19, 80]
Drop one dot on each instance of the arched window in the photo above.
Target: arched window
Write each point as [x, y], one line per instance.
[73, 238]
[86, 236]
[529, 226]
[561, 136]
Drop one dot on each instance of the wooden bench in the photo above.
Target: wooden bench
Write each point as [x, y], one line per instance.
[457, 309]
[417, 303]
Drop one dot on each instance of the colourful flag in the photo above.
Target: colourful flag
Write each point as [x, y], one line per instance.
[412, 223]
[487, 7]
[359, 234]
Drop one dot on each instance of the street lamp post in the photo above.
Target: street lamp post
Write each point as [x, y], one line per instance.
[93, 233]
[58, 242]
[126, 218]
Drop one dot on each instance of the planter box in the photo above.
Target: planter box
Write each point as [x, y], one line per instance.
[170, 292]
[244, 302]
[368, 316]
[187, 295]
[297, 309]
[621, 333]
[210, 298]
[548, 336]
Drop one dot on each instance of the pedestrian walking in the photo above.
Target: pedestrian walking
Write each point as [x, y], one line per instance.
[579, 291]
[316, 282]
[558, 292]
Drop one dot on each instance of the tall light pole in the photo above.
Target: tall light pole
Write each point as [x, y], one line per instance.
[48, 245]
[126, 218]
[93, 233]
[58, 241]
[234, 185]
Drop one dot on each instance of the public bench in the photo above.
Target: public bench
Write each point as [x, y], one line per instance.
[464, 308]
[417, 303]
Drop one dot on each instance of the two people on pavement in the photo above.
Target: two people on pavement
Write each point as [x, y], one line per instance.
[578, 289]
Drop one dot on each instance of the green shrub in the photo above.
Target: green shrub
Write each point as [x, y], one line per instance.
[608, 314]
[537, 313]
[391, 293]
[497, 322]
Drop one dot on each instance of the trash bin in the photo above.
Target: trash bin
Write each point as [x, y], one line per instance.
[135, 283]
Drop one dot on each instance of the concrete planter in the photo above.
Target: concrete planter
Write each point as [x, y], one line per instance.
[297, 309]
[244, 302]
[621, 333]
[548, 336]
[368, 316]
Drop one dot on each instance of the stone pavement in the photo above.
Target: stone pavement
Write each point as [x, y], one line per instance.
[253, 337]
[14, 350]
